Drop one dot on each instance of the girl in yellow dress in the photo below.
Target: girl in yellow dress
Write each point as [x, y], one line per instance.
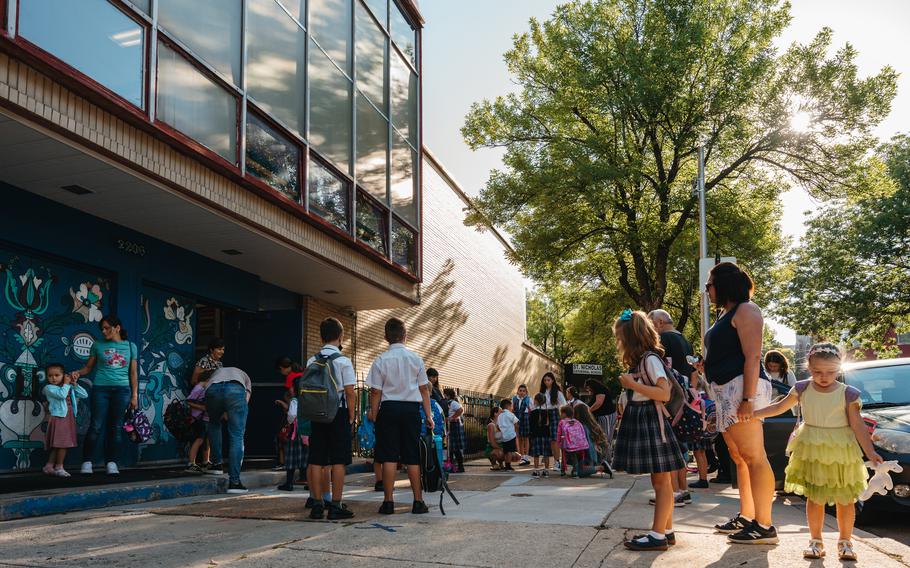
[826, 462]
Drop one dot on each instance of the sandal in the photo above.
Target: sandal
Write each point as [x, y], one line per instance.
[815, 550]
[845, 551]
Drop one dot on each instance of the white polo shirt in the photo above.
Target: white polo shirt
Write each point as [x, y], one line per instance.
[398, 373]
[343, 370]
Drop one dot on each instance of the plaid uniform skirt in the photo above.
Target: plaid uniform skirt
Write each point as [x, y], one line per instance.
[456, 437]
[639, 448]
[608, 425]
[524, 425]
[540, 446]
[554, 422]
[295, 454]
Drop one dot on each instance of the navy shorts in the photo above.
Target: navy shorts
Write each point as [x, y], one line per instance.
[397, 432]
[331, 444]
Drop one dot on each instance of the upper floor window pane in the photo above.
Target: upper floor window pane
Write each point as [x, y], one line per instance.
[372, 149]
[210, 28]
[272, 158]
[403, 34]
[331, 25]
[94, 37]
[404, 99]
[196, 105]
[404, 247]
[143, 5]
[331, 104]
[372, 224]
[404, 180]
[276, 63]
[297, 8]
[371, 58]
[380, 9]
[328, 195]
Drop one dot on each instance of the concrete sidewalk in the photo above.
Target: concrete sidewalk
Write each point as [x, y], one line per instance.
[505, 519]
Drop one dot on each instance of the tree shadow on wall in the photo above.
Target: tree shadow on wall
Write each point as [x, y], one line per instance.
[434, 322]
[504, 378]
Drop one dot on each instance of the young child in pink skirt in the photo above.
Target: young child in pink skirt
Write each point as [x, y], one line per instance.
[61, 392]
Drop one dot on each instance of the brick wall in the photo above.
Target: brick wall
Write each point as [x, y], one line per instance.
[470, 324]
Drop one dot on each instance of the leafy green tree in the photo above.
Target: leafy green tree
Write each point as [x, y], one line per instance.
[850, 278]
[614, 96]
[550, 309]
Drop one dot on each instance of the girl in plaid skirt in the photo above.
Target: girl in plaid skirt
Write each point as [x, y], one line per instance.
[645, 442]
[456, 430]
[539, 426]
[296, 446]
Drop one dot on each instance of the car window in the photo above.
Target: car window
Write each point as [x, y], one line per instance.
[882, 384]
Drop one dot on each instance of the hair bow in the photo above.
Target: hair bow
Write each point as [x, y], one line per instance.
[626, 315]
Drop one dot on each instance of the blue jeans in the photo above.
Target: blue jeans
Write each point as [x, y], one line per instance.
[230, 398]
[109, 404]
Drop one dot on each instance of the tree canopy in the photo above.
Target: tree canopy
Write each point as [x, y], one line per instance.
[850, 278]
[600, 138]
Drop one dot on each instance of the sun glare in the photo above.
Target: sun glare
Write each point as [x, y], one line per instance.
[800, 121]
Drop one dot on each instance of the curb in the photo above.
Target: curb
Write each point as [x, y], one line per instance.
[43, 503]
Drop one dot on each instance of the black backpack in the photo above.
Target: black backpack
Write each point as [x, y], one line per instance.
[433, 477]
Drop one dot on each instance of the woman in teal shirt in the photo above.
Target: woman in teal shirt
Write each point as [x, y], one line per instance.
[116, 386]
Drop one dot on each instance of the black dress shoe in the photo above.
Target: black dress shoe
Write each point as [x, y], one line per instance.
[339, 513]
[419, 508]
[317, 511]
[646, 542]
[387, 508]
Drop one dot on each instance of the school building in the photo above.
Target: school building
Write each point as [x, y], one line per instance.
[237, 169]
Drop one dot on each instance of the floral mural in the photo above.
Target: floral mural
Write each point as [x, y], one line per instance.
[165, 363]
[42, 319]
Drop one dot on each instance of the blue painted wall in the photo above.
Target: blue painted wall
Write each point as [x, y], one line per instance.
[153, 293]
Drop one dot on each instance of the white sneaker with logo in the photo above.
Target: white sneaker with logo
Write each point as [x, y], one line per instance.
[86, 468]
[112, 469]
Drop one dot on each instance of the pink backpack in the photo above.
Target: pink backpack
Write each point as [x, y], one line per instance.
[573, 436]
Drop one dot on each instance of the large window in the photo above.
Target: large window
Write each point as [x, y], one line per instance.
[380, 9]
[372, 149]
[330, 24]
[196, 105]
[403, 34]
[94, 37]
[404, 246]
[328, 195]
[404, 99]
[272, 158]
[404, 176]
[371, 58]
[372, 224]
[210, 28]
[276, 63]
[296, 8]
[330, 110]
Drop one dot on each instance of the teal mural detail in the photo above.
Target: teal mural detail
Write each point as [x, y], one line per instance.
[48, 313]
[165, 363]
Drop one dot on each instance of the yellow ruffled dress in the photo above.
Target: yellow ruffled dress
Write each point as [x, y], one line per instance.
[826, 462]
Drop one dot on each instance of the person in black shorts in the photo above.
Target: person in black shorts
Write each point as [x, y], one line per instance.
[330, 444]
[398, 386]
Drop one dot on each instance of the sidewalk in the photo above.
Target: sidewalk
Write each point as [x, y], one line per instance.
[505, 520]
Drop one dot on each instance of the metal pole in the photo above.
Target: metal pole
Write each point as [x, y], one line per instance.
[703, 238]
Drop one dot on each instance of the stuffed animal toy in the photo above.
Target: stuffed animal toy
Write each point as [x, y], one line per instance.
[880, 482]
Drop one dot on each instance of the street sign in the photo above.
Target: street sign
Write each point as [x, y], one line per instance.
[704, 268]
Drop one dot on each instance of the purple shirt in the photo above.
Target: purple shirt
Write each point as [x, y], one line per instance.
[198, 395]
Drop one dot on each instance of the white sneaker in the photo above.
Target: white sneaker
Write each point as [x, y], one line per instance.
[557, 466]
[86, 468]
[112, 469]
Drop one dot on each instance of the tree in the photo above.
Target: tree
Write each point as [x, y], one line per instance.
[600, 140]
[549, 310]
[850, 278]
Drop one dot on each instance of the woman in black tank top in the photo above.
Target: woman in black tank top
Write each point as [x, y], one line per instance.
[733, 368]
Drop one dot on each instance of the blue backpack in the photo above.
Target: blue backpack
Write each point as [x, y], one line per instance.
[366, 434]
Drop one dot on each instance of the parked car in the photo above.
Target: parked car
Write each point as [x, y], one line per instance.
[884, 387]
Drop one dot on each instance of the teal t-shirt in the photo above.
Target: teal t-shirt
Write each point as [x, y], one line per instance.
[112, 362]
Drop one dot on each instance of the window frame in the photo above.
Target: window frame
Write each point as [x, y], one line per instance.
[326, 164]
[301, 158]
[386, 216]
[100, 92]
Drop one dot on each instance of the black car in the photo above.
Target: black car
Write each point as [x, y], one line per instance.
[884, 387]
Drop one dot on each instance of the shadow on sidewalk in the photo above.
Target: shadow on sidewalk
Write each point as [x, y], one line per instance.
[743, 555]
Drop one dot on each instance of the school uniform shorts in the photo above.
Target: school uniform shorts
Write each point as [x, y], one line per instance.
[397, 432]
[331, 443]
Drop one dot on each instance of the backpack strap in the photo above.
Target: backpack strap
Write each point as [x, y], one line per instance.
[662, 411]
[328, 361]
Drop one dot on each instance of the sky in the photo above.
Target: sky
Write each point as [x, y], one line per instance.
[464, 41]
